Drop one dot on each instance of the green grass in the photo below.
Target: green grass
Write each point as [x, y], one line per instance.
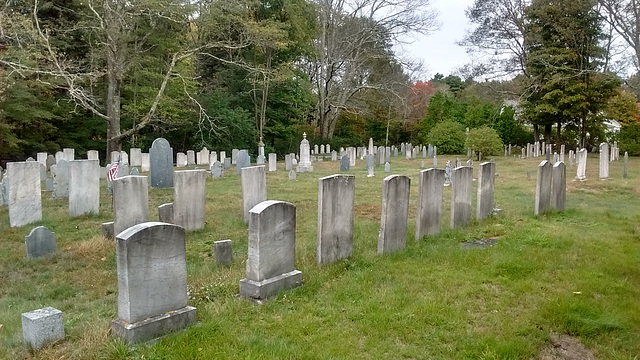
[576, 272]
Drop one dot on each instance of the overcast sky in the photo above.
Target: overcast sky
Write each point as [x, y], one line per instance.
[439, 51]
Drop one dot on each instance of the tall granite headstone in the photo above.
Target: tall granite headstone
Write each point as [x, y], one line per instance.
[188, 199]
[25, 202]
[395, 212]
[161, 164]
[336, 201]
[430, 196]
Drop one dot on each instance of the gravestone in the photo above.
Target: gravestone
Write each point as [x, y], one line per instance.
[435, 162]
[260, 160]
[254, 188]
[322, 150]
[626, 164]
[345, 163]
[334, 155]
[604, 161]
[41, 327]
[288, 165]
[382, 156]
[84, 187]
[272, 251]
[69, 154]
[227, 163]
[217, 170]
[395, 212]
[234, 155]
[41, 157]
[559, 192]
[273, 158]
[152, 282]
[136, 157]
[581, 160]
[124, 158]
[146, 162]
[43, 172]
[387, 154]
[61, 180]
[305, 156]
[370, 165]
[242, 161]
[161, 164]
[543, 188]
[387, 167]
[181, 160]
[188, 199]
[165, 213]
[24, 200]
[336, 201]
[430, 196]
[48, 186]
[191, 158]
[371, 150]
[204, 156]
[40, 243]
[115, 156]
[448, 169]
[485, 192]
[51, 160]
[352, 156]
[562, 149]
[59, 156]
[292, 175]
[328, 148]
[134, 171]
[223, 252]
[461, 188]
[223, 155]
[130, 202]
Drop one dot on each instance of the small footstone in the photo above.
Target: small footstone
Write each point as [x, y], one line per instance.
[292, 175]
[223, 253]
[41, 327]
[40, 243]
[107, 230]
[479, 244]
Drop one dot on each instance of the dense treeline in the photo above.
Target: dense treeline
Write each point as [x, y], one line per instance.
[232, 73]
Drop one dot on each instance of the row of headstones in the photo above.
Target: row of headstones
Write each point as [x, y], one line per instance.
[151, 257]
[606, 155]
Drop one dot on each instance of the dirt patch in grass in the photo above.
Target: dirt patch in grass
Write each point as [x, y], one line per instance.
[565, 347]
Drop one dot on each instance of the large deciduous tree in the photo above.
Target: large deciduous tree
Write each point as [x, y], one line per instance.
[624, 17]
[353, 33]
[564, 58]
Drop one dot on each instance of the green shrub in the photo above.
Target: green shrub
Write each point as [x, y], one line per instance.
[629, 139]
[485, 140]
[448, 136]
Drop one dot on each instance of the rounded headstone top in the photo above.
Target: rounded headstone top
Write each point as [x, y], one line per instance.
[160, 142]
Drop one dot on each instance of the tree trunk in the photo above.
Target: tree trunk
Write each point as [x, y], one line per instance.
[113, 107]
[547, 133]
[558, 132]
[536, 133]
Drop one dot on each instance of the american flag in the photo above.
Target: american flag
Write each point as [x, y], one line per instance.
[113, 171]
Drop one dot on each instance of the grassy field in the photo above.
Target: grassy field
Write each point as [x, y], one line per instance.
[575, 272]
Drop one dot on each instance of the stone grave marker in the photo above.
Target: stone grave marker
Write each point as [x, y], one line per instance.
[305, 156]
[223, 252]
[181, 160]
[387, 167]
[234, 155]
[273, 158]
[345, 163]
[272, 251]
[395, 211]
[430, 196]
[336, 201]
[84, 187]
[152, 282]
[41, 327]
[242, 161]
[146, 162]
[165, 213]
[217, 170]
[604, 161]
[461, 189]
[59, 156]
[40, 243]
[227, 163]
[130, 202]
[370, 165]
[485, 191]
[254, 188]
[161, 164]
[543, 188]
[288, 165]
[134, 171]
[559, 191]
[292, 174]
[191, 158]
[51, 160]
[136, 157]
[260, 160]
[626, 164]
[581, 160]
[188, 199]
[24, 200]
[69, 154]
[61, 180]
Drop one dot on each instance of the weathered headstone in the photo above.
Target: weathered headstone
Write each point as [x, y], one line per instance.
[395, 212]
[334, 155]
[345, 163]
[604, 161]
[305, 156]
[272, 251]
[626, 164]
[227, 163]
[370, 165]
[581, 160]
[152, 282]
[41, 157]
[181, 160]
[24, 200]
[559, 192]
[242, 161]
[59, 156]
[135, 158]
[130, 202]
[124, 158]
[165, 213]
[292, 174]
[84, 187]
[134, 171]
[448, 170]
[273, 158]
[223, 155]
[387, 167]
[146, 162]
[485, 192]
[288, 165]
[188, 199]
[430, 195]
[234, 155]
[254, 188]
[260, 160]
[543, 188]
[41, 327]
[69, 154]
[461, 189]
[40, 243]
[161, 161]
[217, 170]
[223, 252]
[336, 199]
[61, 180]
[191, 157]
[51, 160]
